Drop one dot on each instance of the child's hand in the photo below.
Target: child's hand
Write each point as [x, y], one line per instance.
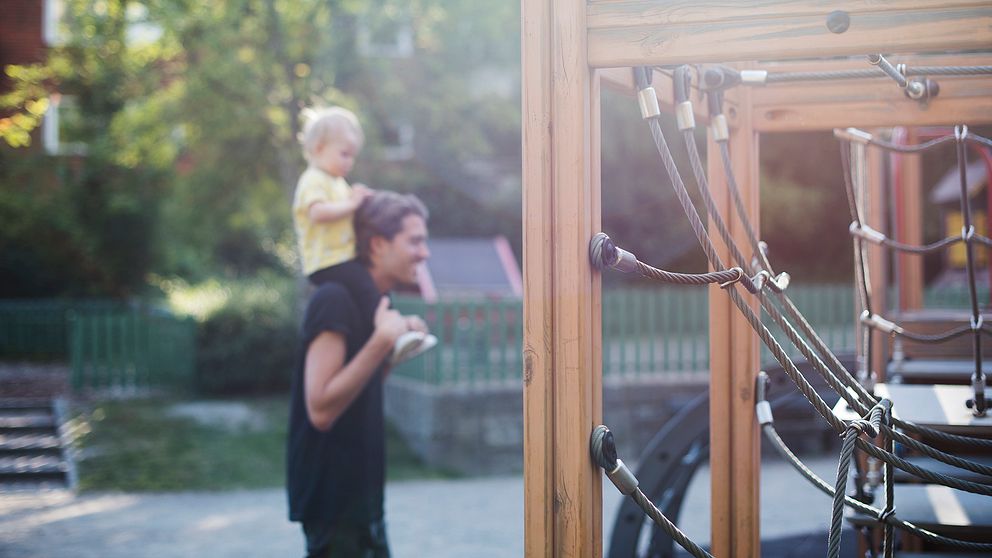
[359, 192]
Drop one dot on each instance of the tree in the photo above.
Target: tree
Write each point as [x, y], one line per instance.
[78, 224]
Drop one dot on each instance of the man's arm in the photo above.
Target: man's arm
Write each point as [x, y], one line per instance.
[330, 384]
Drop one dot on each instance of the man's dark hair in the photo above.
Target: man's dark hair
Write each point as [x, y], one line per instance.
[382, 214]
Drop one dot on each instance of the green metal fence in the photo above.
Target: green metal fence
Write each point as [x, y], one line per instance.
[108, 344]
[646, 332]
[138, 348]
[956, 297]
[38, 329]
[479, 342]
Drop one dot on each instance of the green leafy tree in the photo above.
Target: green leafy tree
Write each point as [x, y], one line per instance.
[79, 224]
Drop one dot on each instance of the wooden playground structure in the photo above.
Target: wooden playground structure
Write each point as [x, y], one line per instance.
[570, 50]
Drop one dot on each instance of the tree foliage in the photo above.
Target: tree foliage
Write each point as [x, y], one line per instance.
[190, 112]
[74, 224]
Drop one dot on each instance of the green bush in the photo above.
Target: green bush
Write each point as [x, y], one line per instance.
[248, 335]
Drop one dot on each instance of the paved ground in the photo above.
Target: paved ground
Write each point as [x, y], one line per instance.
[478, 518]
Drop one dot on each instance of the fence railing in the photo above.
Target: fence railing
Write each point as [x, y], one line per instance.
[108, 344]
[647, 332]
[479, 342]
[956, 297]
[130, 350]
[39, 329]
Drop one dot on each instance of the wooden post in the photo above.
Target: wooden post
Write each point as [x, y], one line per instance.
[877, 255]
[562, 364]
[910, 226]
[735, 461]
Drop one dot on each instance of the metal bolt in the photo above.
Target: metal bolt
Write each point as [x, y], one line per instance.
[838, 21]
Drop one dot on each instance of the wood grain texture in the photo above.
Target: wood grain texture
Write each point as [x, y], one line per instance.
[909, 224]
[537, 303]
[562, 484]
[734, 442]
[652, 33]
[878, 257]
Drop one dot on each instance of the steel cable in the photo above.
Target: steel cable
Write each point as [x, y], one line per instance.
[765, 335]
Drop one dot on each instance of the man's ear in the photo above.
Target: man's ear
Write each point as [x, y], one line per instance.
[376, 244]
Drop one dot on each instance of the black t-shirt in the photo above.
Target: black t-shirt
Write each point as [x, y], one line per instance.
[338, 475]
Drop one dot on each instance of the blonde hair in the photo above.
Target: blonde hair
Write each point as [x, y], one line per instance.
[328, 124]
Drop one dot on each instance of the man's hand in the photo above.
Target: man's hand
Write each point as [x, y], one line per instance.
[389, 323]
[415, 323]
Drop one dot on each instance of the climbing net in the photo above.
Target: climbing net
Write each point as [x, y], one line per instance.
[877, 430]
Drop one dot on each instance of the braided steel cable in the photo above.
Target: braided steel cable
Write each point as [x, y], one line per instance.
[918, 148]
[797, 377]
[604, 453]
[604, 253]
[708, 248]
[912, 249]
[860, 258]
[861, 270]
[854, 431]
[935, 338]
[838, 370]
[979, 140]
[878, 323]
[961, 136]
[873, 73]
[978, 377]
[888, 542]
[768, 428]
[732, 275]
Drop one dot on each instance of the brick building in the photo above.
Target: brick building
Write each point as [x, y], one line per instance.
[24, 34]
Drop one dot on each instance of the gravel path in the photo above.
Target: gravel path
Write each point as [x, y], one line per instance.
[478, 518]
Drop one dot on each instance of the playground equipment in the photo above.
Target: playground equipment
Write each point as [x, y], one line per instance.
[570, 49]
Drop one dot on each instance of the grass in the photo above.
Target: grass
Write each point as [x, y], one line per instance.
[138, 445]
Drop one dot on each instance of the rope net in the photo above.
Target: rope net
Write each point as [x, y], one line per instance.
[877, 431]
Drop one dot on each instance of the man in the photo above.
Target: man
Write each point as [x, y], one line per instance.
[336, 455]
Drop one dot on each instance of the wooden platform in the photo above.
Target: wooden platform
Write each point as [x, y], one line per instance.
[936, 371]
[934, 322]
[940, 509]
[941, 407]
[901, 476]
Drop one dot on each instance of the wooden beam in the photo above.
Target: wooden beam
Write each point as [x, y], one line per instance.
[877, 102]
[909, 226]
[878, 256]
[647, 32]
[562, 373]
[622, 80]
[735, 462]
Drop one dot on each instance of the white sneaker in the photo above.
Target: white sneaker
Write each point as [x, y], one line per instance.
[411, 344]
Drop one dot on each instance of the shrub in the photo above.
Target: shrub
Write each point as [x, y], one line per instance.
[248, 335]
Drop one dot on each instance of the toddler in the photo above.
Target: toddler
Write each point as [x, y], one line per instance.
[324, 203]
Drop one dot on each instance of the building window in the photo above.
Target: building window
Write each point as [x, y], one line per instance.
[386, 37]
[61, 128]
[52, 12]
[397, 141]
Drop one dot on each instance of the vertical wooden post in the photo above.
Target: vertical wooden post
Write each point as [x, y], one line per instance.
[562, 366]
[910, 231]
[877, 255]
[735, 460]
